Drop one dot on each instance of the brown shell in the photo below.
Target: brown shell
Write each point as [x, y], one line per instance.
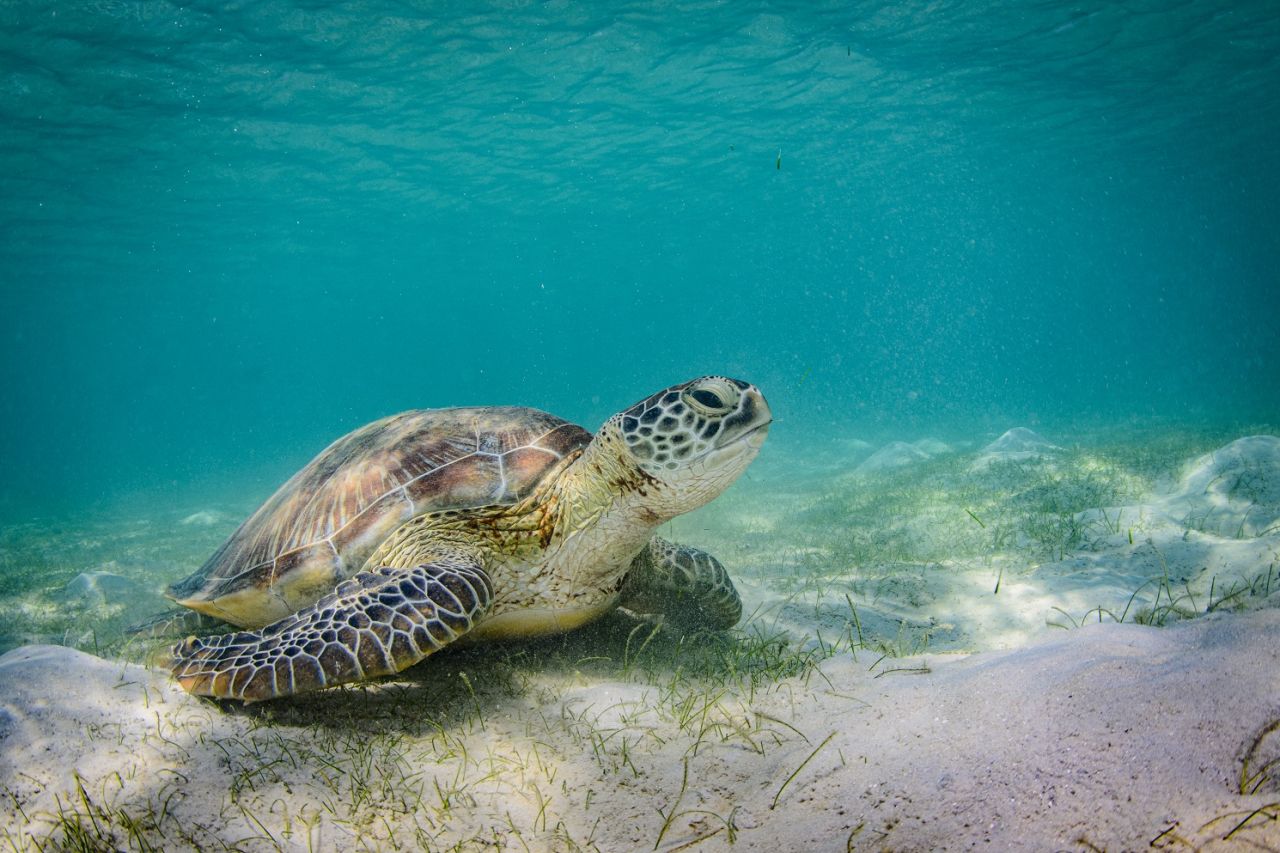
[322, 525]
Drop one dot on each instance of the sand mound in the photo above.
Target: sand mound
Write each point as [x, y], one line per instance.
[1233, 491]
[893, 455]
[203, 518]
[1016, 445]
[100, 588]
[898, 454]
[933, 446]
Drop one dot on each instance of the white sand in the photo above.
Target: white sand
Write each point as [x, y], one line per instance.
[1108, 736]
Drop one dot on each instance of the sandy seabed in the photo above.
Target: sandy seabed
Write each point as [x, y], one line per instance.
[1078, 676]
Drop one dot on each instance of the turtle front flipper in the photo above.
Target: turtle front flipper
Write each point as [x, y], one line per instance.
[377, 623]
[687, 586]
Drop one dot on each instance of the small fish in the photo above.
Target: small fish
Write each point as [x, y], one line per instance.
[778, 163]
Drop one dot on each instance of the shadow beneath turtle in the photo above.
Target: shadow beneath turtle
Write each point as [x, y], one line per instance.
[463, 684]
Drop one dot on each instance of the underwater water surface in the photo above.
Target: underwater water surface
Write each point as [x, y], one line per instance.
[232, 232]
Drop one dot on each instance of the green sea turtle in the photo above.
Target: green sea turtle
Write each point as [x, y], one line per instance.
[493, 522]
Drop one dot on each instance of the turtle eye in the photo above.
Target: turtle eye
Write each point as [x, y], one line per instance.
[711, 398]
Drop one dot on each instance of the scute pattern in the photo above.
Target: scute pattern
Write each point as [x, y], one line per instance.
[339, 507]
[377, 623]
[688, 586]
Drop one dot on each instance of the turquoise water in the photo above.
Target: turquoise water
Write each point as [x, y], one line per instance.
[231, 232]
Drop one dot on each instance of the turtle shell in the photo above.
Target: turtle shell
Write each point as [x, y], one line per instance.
[321, 525]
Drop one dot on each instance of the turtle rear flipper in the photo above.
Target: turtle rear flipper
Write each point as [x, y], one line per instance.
[377, 623]
[688, 587]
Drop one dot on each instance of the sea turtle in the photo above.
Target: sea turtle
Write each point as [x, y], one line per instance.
[490, 522]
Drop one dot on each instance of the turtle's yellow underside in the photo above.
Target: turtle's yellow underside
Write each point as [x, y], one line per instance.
[537, 622]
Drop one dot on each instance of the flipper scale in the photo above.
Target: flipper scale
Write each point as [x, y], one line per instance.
[686, 585]
[377, 623]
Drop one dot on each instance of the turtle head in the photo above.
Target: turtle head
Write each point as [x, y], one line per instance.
[693, 439]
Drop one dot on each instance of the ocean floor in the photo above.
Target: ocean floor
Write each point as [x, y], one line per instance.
[1012, 641]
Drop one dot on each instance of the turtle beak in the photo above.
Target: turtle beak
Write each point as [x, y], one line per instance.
[751, 422]
[760, 406]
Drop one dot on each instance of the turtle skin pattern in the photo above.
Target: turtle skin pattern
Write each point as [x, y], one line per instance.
[687, 586]
[377, 623]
